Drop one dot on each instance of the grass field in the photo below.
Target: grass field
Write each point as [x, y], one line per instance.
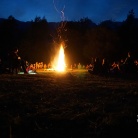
[74, 104]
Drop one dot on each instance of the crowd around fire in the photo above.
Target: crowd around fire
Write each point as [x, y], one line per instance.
[99, 67]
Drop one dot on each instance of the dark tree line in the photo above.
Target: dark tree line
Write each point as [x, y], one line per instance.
[38, 39]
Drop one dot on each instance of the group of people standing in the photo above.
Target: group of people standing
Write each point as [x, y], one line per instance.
[14, 63]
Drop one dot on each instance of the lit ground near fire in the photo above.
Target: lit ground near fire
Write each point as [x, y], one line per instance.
[67, 105]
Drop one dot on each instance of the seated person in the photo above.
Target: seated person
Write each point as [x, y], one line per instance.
[97, 67]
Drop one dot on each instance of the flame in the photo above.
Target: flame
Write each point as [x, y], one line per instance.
[61, 60]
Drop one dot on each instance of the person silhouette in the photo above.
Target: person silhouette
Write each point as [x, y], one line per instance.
[129, 65]
[14, 61]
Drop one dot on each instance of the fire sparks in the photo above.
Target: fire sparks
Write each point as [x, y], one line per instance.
[59, 61]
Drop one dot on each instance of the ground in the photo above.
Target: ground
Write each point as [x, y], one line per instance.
[67, 105]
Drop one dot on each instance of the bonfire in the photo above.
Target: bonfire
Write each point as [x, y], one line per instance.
[59, 61]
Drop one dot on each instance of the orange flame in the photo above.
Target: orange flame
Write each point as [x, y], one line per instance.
[61, 60]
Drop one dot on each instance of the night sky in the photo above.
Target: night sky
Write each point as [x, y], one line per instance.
[96, 10]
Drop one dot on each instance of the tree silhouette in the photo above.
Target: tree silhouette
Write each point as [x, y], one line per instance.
[101, 42]
[128, 33]
[130, 16]
[84, 39]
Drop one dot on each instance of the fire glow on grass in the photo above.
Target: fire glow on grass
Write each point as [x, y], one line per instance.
[60, 63]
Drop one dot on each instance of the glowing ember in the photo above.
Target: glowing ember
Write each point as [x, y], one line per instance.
[61, 60]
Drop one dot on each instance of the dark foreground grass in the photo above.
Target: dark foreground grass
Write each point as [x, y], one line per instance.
[67, 105]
